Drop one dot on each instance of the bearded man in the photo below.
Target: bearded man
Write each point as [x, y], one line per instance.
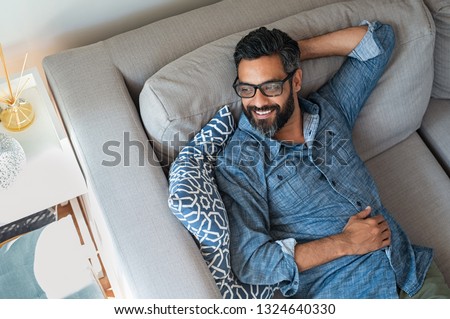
[304, 211]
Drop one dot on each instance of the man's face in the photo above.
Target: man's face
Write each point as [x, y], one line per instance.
[267, 114]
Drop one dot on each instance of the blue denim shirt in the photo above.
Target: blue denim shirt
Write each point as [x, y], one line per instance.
[279, 194]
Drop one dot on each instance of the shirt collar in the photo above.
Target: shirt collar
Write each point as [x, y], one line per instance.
[310, 115]
[310, 120]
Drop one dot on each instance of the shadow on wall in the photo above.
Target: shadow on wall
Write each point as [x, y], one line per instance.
[107, 29]
[83, 26]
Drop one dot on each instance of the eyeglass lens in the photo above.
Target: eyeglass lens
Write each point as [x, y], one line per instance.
[269, 89]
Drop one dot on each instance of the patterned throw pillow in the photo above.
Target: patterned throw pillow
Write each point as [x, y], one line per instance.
[196, 202]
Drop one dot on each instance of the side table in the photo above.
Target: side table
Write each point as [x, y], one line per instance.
[51, 175]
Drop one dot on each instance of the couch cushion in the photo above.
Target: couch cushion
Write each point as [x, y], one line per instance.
[196, 202]
[415, 189]
[435, 129]
[140, 53]
[440, 10]
[180, 98]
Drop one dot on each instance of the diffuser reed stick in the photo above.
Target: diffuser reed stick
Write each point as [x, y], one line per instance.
[19, 90]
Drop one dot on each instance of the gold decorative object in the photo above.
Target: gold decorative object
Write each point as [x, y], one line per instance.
[17, 113]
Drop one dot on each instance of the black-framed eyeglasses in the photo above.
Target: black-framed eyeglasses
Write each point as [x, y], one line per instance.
[269, 88]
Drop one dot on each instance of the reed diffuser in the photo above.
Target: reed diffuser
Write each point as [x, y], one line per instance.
[17, 113]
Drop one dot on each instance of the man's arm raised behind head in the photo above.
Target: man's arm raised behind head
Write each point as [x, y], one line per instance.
[339, 43]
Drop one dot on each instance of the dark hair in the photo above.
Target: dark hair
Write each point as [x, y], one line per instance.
[264, 42]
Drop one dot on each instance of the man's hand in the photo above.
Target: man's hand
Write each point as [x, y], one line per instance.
[364, 234]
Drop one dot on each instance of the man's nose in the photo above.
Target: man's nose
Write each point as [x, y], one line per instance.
[260, 99]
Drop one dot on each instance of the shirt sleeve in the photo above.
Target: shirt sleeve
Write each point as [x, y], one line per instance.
[367, 47]
[256, 258]
[352, 84]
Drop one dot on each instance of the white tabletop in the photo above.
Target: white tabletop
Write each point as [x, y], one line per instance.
[51, 174]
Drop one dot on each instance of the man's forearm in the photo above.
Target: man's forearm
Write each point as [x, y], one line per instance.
[361, 235]
[318, 252]
[340, 42]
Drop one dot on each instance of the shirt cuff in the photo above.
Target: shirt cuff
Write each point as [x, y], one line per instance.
[289, 289]
[287, 246]
[368, 47]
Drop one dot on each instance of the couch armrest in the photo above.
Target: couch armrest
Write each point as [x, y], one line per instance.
[153, 255]
[434, 131]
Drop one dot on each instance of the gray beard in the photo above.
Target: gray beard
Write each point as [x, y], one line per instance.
[282, 115]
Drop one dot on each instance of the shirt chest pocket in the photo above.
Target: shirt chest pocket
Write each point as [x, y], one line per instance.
[286, 188]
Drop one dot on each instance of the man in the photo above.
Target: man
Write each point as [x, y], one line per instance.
[297, 213]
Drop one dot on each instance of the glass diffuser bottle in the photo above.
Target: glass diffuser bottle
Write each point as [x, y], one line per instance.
[17, 115]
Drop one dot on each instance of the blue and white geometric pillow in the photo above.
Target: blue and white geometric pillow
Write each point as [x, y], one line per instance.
[195, 200]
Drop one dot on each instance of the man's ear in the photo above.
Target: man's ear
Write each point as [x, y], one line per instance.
[297, 81]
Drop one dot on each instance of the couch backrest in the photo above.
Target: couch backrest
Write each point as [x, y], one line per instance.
[440, 10]
[139, 53]
[183, 95]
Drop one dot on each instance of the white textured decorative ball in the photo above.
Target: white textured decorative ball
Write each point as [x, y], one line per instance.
[12, 160]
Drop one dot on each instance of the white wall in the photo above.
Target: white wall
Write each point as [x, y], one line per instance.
[43, 27]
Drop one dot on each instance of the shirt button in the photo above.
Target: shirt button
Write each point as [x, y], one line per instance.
[333, 183]
[358, 203]
[280, 177]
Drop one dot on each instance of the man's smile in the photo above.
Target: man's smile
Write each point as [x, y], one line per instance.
[262, 113]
